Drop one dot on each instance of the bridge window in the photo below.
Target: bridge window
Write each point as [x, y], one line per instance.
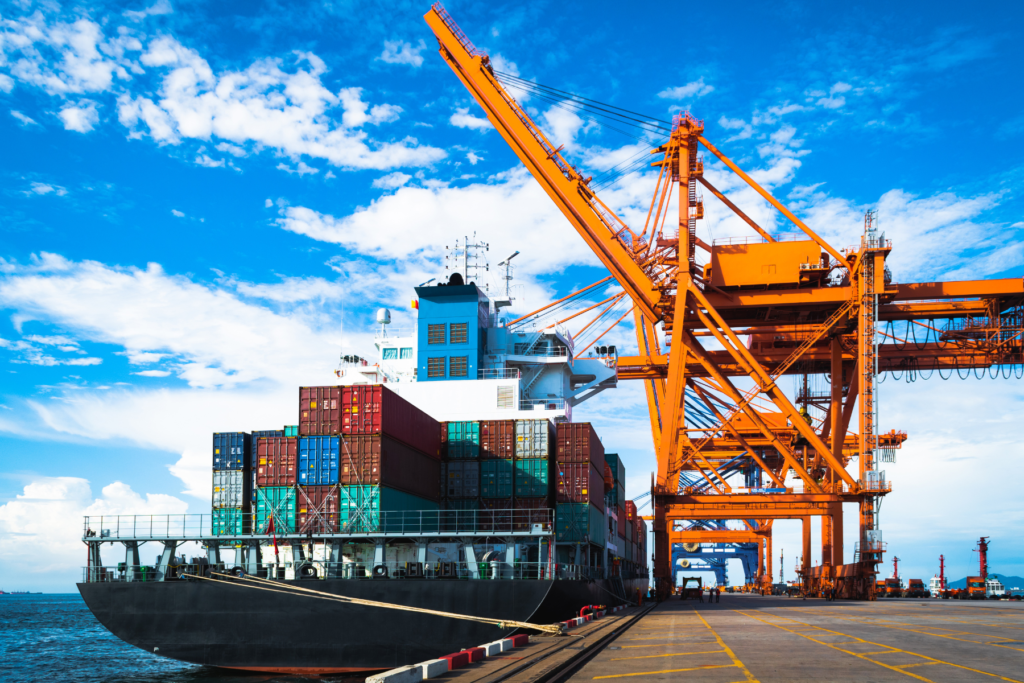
[390, 354]
[458, 366]
[459, 333]
[436, 334]
[435, 367]
[406, 354]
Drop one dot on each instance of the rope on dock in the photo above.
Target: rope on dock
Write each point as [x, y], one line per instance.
[275, 587]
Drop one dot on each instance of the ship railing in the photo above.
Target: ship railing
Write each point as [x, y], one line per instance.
[542, 404]
[355, 522]
[315, 569]
[498, 373]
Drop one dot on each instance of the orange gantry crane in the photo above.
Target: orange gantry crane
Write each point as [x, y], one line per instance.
[804, 307]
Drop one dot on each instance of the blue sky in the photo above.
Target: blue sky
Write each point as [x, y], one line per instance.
[201, 204]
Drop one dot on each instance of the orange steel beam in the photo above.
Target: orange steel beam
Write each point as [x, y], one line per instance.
[590, 308]
[598, 226]
[774, 202]
[598, 337]
[735, 209]
[708, 536]
[555, 303]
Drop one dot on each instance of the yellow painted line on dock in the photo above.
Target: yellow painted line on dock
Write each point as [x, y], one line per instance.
[736, 660]
[859, 655]
[695, 642]
[670, 654]
[671, 671]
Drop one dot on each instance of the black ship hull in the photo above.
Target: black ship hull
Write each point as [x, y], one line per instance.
[224, 625]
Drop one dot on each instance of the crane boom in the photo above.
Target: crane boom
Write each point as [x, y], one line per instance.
[608, 237]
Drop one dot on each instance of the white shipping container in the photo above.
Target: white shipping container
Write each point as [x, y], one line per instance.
[534, 438]
[229, 489]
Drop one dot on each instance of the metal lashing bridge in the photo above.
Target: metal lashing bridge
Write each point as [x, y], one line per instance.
[771, 305]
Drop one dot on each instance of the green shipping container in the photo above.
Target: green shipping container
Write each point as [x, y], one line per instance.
[277, 502]
[532, 477]
[230, 522]
[291, 430]
[578, 523]
[496, 478]
[619, 475]
[463, 440]
[534, 438]
[359, 509]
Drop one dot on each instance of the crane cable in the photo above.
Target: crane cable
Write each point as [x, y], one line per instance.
[274, 587]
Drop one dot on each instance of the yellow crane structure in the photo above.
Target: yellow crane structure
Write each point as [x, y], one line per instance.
[805, 308]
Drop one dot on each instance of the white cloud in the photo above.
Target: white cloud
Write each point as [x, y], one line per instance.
[153, 373]
[6, 83]
[44, 189]
[157, 8]
[65, 58]
[233, 150]
[463, 119]
[267, 203]
[401, 52]
[744, 128]
[22, 119]
[179, 214]
[302, 169]
[473, 158]
[392, 180]
[81, 118]
[504, 65]
[692, 89]
[208, 161]
[833, 102]
[41, 528]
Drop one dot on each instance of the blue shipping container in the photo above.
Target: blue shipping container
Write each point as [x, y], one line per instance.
[231, 451]
[318, 460]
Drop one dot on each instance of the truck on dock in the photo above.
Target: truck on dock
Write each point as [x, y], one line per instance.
[916, 589]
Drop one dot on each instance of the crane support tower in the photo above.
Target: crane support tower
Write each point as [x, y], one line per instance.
[803, 307]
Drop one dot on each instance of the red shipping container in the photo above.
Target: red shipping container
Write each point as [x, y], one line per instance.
[631, 512]
[578, 482]
[496, 513]
[497, 439]
[578, 442]
[370, 459]
[530, 511]
[369, 409]
[276, 461]
[316, 510]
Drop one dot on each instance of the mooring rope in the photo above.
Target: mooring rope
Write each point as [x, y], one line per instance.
[554, 629]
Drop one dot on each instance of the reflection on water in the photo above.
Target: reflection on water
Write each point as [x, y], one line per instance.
[56, 637]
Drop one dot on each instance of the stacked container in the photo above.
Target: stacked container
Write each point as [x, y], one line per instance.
[363, 450]
[579, 484]
[232, 457]
[275, 466]
[534, 485]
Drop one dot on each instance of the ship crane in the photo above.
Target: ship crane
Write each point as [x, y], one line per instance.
[802, 305]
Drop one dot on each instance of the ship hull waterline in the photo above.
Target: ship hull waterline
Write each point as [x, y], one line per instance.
[230, 626]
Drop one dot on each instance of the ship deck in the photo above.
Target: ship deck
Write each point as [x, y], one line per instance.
[754, 638]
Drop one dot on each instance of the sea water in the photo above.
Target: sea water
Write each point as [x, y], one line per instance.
[56, 638]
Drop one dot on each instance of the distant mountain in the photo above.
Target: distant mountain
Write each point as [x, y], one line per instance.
[1007, 581]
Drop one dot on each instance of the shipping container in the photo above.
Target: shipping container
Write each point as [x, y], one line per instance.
[231, 489]
[622, 524]
[629, 528]
[360, 508]
[578, 442]
[530, 511]
[619, 477]
[277, 503]
[368, 460]
[316, 509]
[291, 430]
[462, 440]
[533, 478]
[276, 461]
[231, 451]
[534, 438]
[631, 511]
[462, 479]
[267, 434]
[496, 478]
[230, 522]
[579, 523]
[579, 483]
[497, 438]
[366, 410]
[318, 460]
[496, 513]
[462, 504]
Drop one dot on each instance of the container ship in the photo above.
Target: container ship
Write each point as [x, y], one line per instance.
[448, 475]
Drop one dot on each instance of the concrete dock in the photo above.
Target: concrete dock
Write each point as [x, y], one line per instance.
[778, 639]
[754, 638]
